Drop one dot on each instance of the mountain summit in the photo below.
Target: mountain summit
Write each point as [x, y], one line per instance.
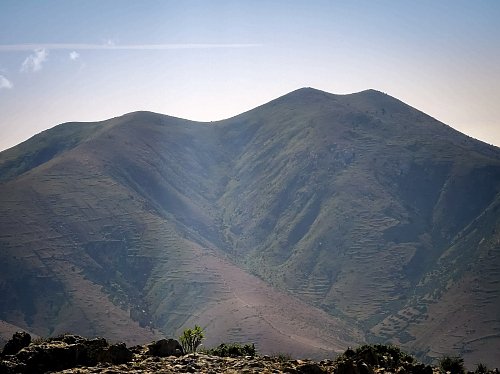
[315, 220]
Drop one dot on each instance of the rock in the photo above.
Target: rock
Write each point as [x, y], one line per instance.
[49, 356]
[115, 354]
[12, 366]
[347, 367]
[91, 350]
[72, 354]
[364, 368]
[310, 368]
[67, 352]
[71, 339]
[165, 347]
[19, 340]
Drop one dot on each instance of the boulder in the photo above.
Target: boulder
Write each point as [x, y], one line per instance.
[66, 352]
[310, 368]
[165, 347]
[364, 368]
[52, 356]
[19, 340]
[116, 354]
[12, 366]
[70, 339]
[91, 349]
[347, 367]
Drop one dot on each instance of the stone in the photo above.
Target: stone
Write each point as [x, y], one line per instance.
[77, 355]
[165, 348]
[70, 339]
[347, 367]
[19, 340]
[90, 350]
[12, 366]
[310, 368]
[115, 354]
[364, 368]
[49, 356]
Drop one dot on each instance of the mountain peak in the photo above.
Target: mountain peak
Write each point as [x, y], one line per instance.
[358, 204]
[306, 95]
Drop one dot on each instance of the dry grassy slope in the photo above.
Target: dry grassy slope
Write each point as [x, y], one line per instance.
[112, 238]
[455, 306]
[357, 204]
[350, 201]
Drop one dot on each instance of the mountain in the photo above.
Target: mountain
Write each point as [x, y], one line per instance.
[331, 219]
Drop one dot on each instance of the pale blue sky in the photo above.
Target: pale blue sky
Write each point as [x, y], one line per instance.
[207, 60]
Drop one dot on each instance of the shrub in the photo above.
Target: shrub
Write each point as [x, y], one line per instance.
[191, 339]
[282, 357]
[455, 365]
[232, 350]
[481, 369]
[388, 356]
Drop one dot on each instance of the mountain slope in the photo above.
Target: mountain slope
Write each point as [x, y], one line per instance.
[357, 205]
[106, 239]
[364, 202]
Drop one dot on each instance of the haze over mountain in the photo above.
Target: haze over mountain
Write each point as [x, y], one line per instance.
[310, 223]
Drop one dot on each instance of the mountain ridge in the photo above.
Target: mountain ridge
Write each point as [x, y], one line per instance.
[357, 205]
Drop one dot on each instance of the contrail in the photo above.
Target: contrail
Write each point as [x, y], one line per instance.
[130, 47]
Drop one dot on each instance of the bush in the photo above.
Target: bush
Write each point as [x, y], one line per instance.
[282, 357]
[481, 369]
[191, 339]
[388, 356]
[232, 350]
[455, 365]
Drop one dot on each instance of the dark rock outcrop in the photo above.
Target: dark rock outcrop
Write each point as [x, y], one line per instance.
[19, 340]
[165, 348]
[64, 352]
[115, 354]
[310, 368]
[71, 354]
[52, 356]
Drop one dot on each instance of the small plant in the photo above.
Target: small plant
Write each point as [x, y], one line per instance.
[191, 339]
[282, 357]
[481, 369]
[455, 365]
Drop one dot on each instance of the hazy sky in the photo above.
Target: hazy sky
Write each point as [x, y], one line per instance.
[206, 60]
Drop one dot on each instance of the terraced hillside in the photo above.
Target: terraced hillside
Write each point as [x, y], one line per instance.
[329, 218]
[117, 237]
[375, 212]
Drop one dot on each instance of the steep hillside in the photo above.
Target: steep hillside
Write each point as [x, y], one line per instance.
[118, 236]
[373, 211]
[370, 219]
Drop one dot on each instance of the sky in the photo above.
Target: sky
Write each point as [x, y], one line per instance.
[69, 60]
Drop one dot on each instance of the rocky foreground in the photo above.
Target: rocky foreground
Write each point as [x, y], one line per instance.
[75, 354]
